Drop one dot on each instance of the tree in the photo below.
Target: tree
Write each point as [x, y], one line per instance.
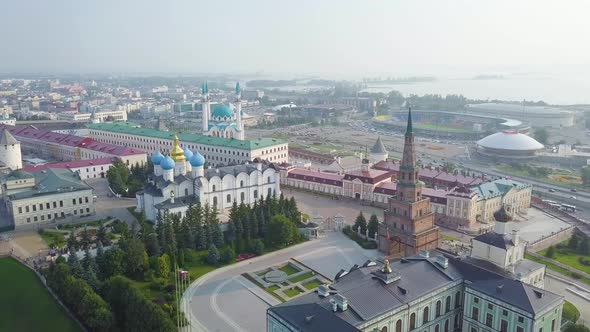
[136, 258]
[227, 255]
[360, 223]
[72, 244]
[75, 266]
[281, 232]
[114, 260]
[151, 244]
[577, 328]
[574, 242]
[541, 135]
[550, 252]
[258, 247]
[99, 259]
[585, 246]
[586, 176]
[213, 255]
[373, 225]
[164, 266]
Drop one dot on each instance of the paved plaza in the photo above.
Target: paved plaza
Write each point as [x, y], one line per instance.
[537, 224]
[222, 301]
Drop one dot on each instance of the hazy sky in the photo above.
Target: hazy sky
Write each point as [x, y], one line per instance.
[326, 36]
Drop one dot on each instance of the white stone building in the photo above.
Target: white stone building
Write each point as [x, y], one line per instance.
[180, 180]
[223, 121]
[10, 153]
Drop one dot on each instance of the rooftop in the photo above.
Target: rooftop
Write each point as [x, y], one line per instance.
[6, 138]
[71, 164]
[52, 181]
[497, 188]
[129, 128]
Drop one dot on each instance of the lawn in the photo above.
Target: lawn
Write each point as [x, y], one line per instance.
[568, 257]
[288, 269]
[570, 312]
[448, 237]
[54, 239]
[302, 277]
[26, 305]
[312, 284]
[557, 269]
[442, 127]
[292, 292]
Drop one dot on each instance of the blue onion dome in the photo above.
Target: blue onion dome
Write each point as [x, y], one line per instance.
[197, 160]
[222, 110]
[157, 158]
[167, 163]
[187, 153]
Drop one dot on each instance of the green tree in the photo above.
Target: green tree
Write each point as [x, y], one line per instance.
[136, 258]
[114, 263]
[258, 247]
[227, 255]
[585, 246]
[550, 253]
[577, 328]
[213, 255]
[152, 246]
[541, 135]
[164, 266]
[586, 176]
[75, 265]
[574, 242]
[282, 232]
[373, 225]
[360, 223]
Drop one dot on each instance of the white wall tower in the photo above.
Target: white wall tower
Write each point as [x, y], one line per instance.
[206, 107]
[10, 153]
[238, 106]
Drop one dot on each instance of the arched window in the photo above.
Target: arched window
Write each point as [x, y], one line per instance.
[398, 326]
[425, 315]
[242, 197]
[384, 329]
[215, 201]
[185, 191]
[228, 198]
[269, 192]
[448, 304]
[447, 325]
[457, 299]
[268, 179]
[438, 308]
[413, 321]
[213, 188]
[241, 183]
[456, 321]
[255, 194]
[436, 328]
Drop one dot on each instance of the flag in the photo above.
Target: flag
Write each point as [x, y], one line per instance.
[182, 273]
[388, 235]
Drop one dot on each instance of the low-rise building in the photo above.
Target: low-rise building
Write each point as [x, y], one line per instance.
[46, 196]
[87, 169]
[102, 116]
[420, 293]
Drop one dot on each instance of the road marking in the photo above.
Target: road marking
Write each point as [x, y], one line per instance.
[215, 307]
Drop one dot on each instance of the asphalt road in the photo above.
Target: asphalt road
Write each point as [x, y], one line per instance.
[559, 287]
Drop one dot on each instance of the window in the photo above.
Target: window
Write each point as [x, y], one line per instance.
[269, 192]
[436, 328]
[27, 208]
[29, 219]
[505, 312]
[214, 201]
[74, 201]
[438, 308]
[475, 300]
[61, 203]
[47, 206]
[398, 326]
[503, 326]
[520, 319]
[86, 199]
[384, 329]
[242, 197]
[489, 320]
[413, 321]
[540, 329]
[268, 179]
[88, 210]
[213, 188]
[34, 218]
[553, 325]
[80, 200]
[490, 306]
[54, 204]
[20, 209]
[425, 315]
[185, 191]
[447, 325]
[228, 198]
[473, 329]
[448, 304]
[241, 183]
[475, 313]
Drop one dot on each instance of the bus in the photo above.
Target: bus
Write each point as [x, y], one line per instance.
[568, 208]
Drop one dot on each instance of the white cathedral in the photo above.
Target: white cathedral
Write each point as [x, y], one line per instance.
[225, 121]
[180, 179]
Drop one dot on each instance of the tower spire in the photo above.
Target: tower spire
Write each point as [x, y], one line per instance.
[409, 127]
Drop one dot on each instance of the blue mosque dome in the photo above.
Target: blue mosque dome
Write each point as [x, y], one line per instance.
[222, 110]
[187, 153]
[157, 158]
[167, 163]
[197, 160]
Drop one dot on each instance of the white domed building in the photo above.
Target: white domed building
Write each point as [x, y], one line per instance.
[225, 120]
[508, 144]
[180, 179]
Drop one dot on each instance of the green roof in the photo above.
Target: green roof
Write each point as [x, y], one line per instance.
[18, 175]
[52, 181]
[129, 128]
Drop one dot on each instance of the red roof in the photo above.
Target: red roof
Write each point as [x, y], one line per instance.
[71, 164]
[387, 165]
[370, 176]
[70, 140]
[436, 196]
[315, 176]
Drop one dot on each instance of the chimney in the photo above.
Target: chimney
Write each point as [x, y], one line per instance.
[424, 253]
[323, 291]
[341, 302]
[334, 305]
[442, 261]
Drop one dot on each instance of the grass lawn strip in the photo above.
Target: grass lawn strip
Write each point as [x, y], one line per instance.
[27, 305]
[312, 284]
[301, 277]
[292, 292]
[56, 239]
[568, 257]
[288, 269]
[570, 312]
[557, 269]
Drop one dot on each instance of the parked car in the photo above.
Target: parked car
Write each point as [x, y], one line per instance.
[573, 190]
[551, 190]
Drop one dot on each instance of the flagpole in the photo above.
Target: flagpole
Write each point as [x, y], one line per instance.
[177, 303]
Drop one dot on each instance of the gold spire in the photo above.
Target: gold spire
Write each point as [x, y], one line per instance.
[177, 154]
[386, 267]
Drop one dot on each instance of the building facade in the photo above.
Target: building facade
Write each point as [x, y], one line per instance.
[10, 153]
[86, 169]
[223, 121]
[47, 196]
[420, 293]
[216, 150]
[180, 180]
